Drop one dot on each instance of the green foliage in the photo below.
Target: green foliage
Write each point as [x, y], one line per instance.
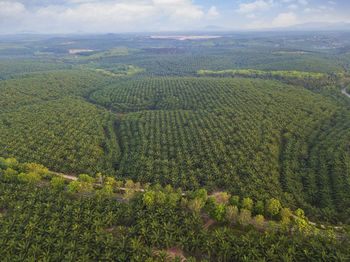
[86, 178]
[120, 71]
[259, 207]
[306, 79]
[10, 173]
[252, 137]
[84, 186]
[279, 129]
[189, 132]
[285, 224]
[232, 214]
[100, 227]
[244, 217]
[218, 212]
[259, 221]
[29, 178]
[13, 69]
[39, 169]
[259, 73]
[271, 226]
[211, 201]
[73, 187]
[195, 205]
[285, 217]
[201, 194]
[301, 222]
[129, 184]
[195, 132]
[113, 52]
[149, 198]
[58, 183]
[285, 213]
[223, 198]
[42, 112]
[247, 203]
[110, 181]
[129, 195]
[2, 163]
[105, 192]
[10, 163]
[272, 207]
[161, 198]
[173, 199]
[234, 200]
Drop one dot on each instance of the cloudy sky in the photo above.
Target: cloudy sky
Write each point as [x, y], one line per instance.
[104, 16]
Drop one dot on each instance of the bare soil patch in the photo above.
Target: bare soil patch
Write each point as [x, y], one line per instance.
[208, 224]
[111, 229]
[185, 37]
[172, 253]
[77, 51]
[68, 43]
[215, 193]
[175, 252]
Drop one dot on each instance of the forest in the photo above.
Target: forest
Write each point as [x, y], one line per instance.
[45, 217]
[228, 149]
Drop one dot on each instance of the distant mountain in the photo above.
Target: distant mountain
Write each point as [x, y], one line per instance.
[314, 26]
[322, 26]
[214, 28]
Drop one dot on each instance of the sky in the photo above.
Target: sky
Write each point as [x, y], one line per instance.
[120, 16]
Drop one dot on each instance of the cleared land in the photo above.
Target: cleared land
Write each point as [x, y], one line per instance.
[185, 37]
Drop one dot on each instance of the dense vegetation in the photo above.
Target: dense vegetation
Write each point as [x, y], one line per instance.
[297, 78]
[259, 117]
[44, 118]
[256, 138]
[43, 222]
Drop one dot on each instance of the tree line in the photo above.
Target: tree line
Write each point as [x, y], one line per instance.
[45, 218]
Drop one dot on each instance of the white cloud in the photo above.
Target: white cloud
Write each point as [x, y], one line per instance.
[284, 20]
[322, 14]
[12, 16]
[253, 6]
[324, 10]
[178, 9]
[293, 7]
[80, 1]
[102, 16]
[303, 2]
[107, 16]
[11, 9]
[213, 12]
[280, 21]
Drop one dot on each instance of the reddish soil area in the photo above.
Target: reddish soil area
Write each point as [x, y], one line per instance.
[208, 224]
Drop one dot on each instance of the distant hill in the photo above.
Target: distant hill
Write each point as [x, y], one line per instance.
[322, 26]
